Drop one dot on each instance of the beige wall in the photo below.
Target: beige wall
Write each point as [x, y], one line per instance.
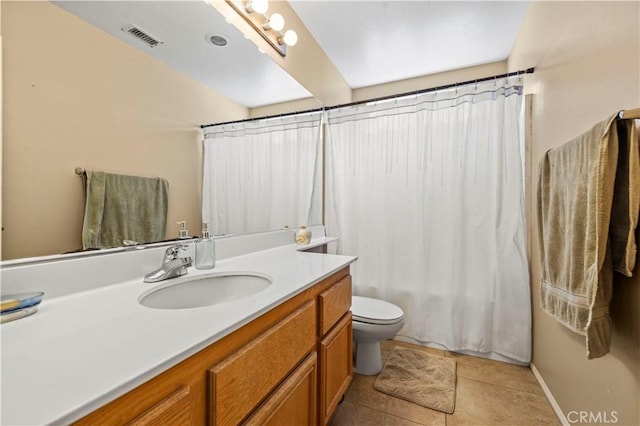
[428, 81]
[392, 88]
[285, 107]
[587, 60]
[75, 96]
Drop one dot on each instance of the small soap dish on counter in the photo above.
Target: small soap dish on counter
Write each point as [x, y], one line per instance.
[19, 305]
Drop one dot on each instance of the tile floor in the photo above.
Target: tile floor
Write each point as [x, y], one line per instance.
[488, 393]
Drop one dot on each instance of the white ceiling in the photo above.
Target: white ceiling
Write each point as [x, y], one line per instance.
[238, 70]
[373, 42]
[370, 42]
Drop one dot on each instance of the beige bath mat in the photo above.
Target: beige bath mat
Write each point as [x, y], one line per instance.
[418, 377]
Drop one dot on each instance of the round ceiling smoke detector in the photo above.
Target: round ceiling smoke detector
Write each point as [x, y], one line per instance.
[217, 39]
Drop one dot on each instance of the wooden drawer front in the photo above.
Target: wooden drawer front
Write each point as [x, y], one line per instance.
[336, 367]
[242, 381]
[334, 303]
[294, 402]
[173, 410]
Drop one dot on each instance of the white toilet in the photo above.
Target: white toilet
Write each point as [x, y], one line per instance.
[373, 320]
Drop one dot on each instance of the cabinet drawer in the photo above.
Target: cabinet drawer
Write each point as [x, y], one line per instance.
[242, 381]
[174, 409]
[334, 303]
[294, 402]
[336, 367]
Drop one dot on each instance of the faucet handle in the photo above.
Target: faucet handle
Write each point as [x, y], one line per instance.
[172, 252]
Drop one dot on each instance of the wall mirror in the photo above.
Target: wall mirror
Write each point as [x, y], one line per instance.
[80, 91]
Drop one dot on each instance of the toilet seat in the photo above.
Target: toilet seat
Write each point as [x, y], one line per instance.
[375, 311]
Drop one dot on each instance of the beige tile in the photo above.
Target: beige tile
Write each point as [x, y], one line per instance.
[349, 414]
[479, 403]
[488, 393]
[390, 420]
[362, 393]
[496, 372]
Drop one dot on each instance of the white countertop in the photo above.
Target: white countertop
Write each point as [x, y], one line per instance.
[83, 350]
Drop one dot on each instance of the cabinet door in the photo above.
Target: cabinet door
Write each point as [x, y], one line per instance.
[173, 410]
[335, 367]
[245, 379]
[294, 402]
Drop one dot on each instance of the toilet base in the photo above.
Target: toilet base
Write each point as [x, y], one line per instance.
[368, 358]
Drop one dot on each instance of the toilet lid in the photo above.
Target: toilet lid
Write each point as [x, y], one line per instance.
[375, 311]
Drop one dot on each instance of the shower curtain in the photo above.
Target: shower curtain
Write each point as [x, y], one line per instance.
[263, 174]
[427, 191]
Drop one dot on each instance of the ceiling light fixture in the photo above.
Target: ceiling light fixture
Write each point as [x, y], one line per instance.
[290, 38]
[275, 22]
[269, 28]
[257, 6]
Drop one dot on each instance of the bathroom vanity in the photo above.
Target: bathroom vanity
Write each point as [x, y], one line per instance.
[291, 365]
[282, 355]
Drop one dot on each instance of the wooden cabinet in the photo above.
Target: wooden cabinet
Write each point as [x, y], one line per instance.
[247, 377]
[294, 403]
[176, 398]
[290, 366]
[174, 410]
[336, 367]
[335, 347]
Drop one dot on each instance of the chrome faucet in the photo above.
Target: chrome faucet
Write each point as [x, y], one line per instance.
[172, 265]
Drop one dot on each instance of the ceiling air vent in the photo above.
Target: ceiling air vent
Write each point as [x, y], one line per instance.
[141, 35]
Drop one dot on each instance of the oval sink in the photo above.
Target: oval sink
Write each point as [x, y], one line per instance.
[205, 290]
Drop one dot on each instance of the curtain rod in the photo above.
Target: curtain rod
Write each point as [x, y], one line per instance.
[433, 89]
[415, 92]
[286, 114]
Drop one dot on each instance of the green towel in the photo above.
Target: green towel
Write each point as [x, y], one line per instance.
[120, 207]
[588, 200]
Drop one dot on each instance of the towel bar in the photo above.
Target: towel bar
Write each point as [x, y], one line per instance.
[630, 114]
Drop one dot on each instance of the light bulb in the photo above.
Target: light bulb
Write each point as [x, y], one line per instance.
[276, 22]
[258, 6]
[290, 38]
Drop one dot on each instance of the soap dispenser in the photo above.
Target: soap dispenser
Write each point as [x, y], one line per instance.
[205, 250]
[182, 231]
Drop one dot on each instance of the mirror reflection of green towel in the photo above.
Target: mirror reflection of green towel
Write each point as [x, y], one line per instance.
[120, 207]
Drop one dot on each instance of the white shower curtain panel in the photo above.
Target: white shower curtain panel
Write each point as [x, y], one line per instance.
[262, 175]
[427, 191]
